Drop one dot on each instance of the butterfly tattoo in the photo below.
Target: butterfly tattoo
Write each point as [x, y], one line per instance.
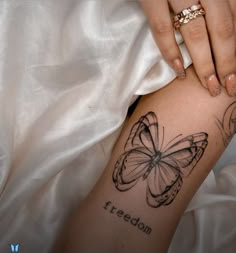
[163, 169]
[228, 125]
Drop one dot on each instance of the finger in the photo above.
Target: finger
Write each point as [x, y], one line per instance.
[220, 25]
[233, 8]
[196, 39]
[158, 15]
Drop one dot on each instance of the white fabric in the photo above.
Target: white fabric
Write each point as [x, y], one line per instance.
[69, 70]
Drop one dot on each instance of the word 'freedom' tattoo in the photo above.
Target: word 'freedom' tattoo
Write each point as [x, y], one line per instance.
[228, 125]
[162, 168]
[126, 217]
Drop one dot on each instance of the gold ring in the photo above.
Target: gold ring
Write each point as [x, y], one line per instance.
[188, 14]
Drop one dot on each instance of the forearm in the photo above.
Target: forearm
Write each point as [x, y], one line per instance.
[138, 201]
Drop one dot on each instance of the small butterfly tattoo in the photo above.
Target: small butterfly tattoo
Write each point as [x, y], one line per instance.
[228, 124]
[163, 169]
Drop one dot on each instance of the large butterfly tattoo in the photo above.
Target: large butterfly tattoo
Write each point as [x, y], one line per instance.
[228, 125]
[161, 168]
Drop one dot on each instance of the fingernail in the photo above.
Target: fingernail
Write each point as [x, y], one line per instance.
[213, 85]
[179, 69]
[231, 84]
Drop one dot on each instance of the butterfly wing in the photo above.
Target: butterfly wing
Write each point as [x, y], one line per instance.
[131, 166]
[228, 125]
[165, 181]
[12, 248]
[136, 161]
[144, 133]
[229, 121]
[186, 153]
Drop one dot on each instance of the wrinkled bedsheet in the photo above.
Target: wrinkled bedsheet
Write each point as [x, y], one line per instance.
[69, 69]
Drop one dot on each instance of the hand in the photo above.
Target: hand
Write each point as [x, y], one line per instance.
[211, 41]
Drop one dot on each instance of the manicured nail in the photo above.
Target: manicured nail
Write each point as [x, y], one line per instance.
[179, 69]
[230, 83]
[213, 85]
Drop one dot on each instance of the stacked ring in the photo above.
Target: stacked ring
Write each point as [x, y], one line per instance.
[187, 15]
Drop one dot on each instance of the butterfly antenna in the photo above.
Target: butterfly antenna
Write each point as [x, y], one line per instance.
[163, 136]
[172, 141]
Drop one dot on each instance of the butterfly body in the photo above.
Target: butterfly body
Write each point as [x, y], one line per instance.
[162, 169]
[156, 158]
